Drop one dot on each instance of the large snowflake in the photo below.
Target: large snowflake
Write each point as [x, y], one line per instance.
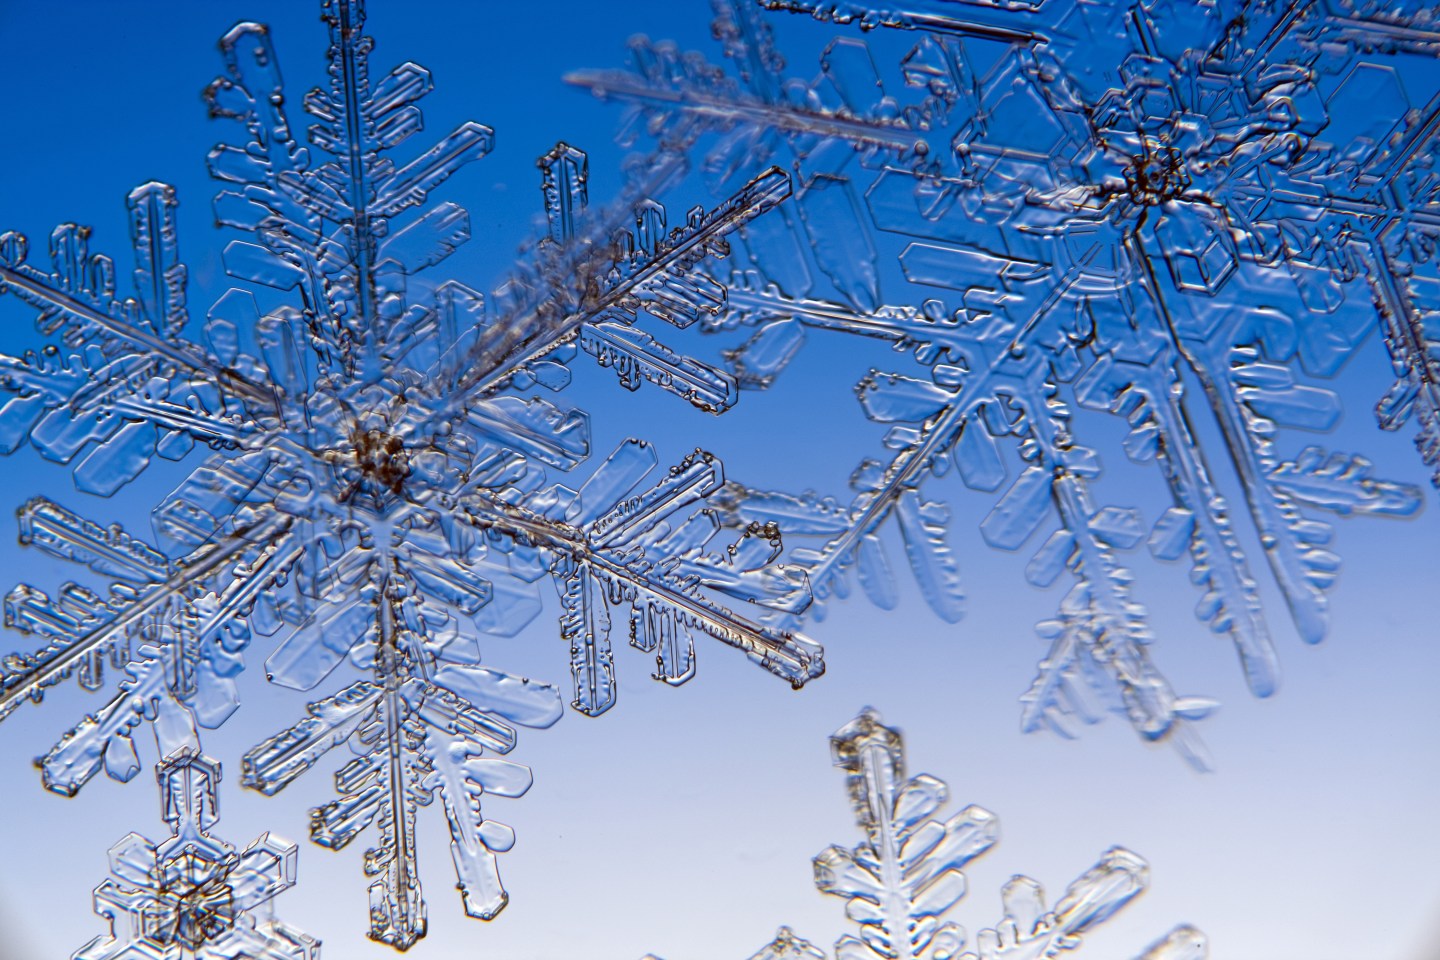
[1179, 214]
[907, 874]
[375, 479]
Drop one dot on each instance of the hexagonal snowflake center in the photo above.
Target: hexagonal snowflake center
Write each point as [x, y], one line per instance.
[1156, 176]
[198, 914]
[382, 459]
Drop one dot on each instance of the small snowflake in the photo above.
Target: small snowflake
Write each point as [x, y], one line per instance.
[193, 896]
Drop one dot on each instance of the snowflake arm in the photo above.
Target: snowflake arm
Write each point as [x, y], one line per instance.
[416, 738]
[1030, 931]
[680, 96]
[1412, 335]
[1101, 637]
[351, 281]
[610, 549]
[177, 640]
[919, 16]
[1148, 395]
[1182, 943]
[657, 273]
[899, 889]
[134, 389]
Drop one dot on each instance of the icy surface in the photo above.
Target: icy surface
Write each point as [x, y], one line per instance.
[906, 875]
[1183, 215]
[375, 455]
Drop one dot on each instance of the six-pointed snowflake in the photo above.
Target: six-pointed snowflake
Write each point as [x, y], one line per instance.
[378, 479]
[1163, 211]
[193, 895]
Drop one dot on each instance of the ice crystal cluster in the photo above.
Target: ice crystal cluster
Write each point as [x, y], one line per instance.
[906, 875]
[378, 471]
[1186, 215]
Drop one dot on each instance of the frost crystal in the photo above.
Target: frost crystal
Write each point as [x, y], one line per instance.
[376, 483]
[193, 896]
[1168, 212]
[904, 877]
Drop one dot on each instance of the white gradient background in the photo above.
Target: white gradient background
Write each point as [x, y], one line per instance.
[683, 821]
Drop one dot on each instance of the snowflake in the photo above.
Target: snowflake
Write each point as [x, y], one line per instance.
[193, 895]
[1163, 211]
[903, 879]
[376, 479]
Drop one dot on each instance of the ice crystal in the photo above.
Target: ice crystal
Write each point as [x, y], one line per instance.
[377, 479]
[1169, 212]
[194, 896]
[906, 875]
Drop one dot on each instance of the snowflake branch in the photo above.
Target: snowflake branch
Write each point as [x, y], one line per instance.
[529, 330]
[56, 661]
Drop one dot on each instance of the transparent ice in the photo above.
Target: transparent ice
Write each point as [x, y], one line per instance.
[903, 879]
[1179, 214]
[374, 456]
[194, 896]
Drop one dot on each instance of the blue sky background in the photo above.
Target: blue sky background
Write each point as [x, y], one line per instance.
[683, 821]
